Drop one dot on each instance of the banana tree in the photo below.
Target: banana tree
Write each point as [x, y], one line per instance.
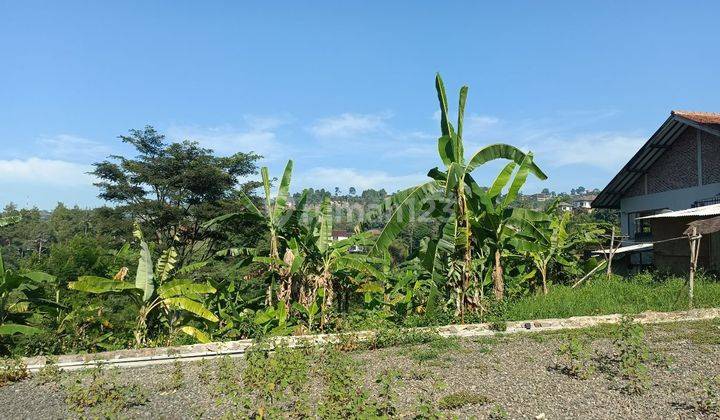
[498, 225]
[277, 218]
[20, 295]
[318, 263]
[161, 288]
[21, 299]
[333, 260]
[453, 192]
[553, 242]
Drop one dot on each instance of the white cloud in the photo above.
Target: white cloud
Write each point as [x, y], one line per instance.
[608, 151]
[73, 148]
[259, 135]
[37, 171]
[568, 138]
[349, 125]
[329, 178]
[480, 123]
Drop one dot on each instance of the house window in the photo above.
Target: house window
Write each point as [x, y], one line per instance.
[641, 231]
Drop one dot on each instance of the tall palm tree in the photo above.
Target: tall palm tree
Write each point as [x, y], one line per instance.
[457, 192]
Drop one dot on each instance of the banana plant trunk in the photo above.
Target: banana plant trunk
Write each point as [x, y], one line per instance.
[543, 274]
[274, 256]
[328, 295]
[498, 280]
[465, 252]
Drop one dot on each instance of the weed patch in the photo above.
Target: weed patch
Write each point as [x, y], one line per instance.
[461, 399]
[277, 379]
[50, 373]
[633, 355]
[344, 397]
[101, 394]
[576, 358]
[707, 396]
[12, 370]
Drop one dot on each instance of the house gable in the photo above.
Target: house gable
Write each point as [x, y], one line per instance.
[668, 161]
[676, 168]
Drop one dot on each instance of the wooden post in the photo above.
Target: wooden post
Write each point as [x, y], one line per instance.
[694, 251]
[599, 266]
[612, 252]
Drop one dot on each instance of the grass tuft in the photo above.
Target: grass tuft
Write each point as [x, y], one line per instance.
[461, 399]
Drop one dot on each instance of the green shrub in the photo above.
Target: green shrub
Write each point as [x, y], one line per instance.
[617, 296]
[424, 355]
[395, 337]
[387, 394]
[425, 409]
[633, 354]
[576, 358]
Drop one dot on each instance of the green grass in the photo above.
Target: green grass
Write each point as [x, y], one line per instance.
[601, 296]
[461, 399]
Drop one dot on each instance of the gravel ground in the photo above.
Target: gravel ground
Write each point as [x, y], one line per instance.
[517, 376]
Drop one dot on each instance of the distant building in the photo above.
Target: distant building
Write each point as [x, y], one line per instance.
[540, 197]
[583, 202]
[339, 235]
[563, 206]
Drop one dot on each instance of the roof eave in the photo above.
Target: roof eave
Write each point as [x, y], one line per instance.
[640, 162]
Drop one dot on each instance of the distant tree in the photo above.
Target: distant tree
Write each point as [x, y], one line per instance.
[352, 191]
[337, 191]
[546, 191]
[373, 196]
[172, 188]
[580, 190]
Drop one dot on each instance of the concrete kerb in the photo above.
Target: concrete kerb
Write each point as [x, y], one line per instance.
[194, 352]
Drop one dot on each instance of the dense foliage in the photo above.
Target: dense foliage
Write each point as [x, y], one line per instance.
[188, 253]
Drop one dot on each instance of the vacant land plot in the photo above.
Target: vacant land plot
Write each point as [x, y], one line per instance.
[663, 371]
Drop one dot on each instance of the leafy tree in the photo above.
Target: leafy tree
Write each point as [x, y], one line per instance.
[373, 196]
[172, 188]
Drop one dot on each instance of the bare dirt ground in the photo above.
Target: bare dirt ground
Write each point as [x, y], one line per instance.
[519, 376]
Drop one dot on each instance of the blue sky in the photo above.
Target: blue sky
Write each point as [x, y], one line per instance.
[344, 88]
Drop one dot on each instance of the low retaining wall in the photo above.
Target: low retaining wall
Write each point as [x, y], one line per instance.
[161, 355]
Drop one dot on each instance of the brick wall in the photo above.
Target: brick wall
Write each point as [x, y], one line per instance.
[638, 188]
[677, 167]
[710, 158]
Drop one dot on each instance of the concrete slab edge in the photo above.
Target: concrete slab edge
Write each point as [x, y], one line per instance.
[194, 352]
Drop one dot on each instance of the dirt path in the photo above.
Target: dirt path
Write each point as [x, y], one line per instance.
[499, 377]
